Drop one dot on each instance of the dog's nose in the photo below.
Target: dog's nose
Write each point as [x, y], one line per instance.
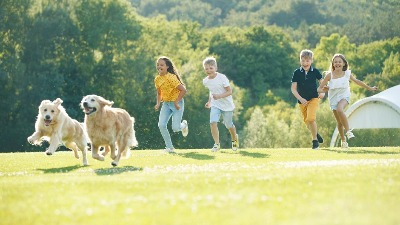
[85, 104]
[47, 117]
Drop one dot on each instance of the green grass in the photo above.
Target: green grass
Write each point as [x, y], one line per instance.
[251, 186]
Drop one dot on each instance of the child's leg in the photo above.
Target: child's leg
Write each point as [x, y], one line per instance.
[215, 113]
[232, 131]
[342, 116]
[339, 126]
[165, 115]
[304, 112]
[228, 118]
[312, 116]
[215, 132]
[177, 117]
[312, 127]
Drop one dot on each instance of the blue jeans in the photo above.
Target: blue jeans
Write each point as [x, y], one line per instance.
[167, 110]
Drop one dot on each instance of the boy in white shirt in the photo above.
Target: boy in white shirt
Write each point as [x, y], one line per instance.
[220, 101]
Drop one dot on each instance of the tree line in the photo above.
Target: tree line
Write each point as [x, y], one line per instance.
[361, 21]
[69, 49]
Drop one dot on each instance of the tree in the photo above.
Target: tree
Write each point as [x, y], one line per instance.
[328, 46]
[265, 131]
[254, 59]
[300, 11]
[14, 23]
[390, 75]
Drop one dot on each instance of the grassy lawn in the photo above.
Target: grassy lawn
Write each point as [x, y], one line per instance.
[196, 186]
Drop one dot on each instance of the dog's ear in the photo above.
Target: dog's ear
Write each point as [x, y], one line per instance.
[58, 101]
[104, 101]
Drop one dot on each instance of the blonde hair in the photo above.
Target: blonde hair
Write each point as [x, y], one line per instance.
[210, 61]
[306, 53]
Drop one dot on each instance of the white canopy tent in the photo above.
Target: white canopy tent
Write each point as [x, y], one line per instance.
[378, 111]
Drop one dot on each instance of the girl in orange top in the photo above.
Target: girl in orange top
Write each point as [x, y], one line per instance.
[170, 91]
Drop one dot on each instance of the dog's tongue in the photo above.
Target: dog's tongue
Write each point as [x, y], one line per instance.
[88, 109]
[47, 122]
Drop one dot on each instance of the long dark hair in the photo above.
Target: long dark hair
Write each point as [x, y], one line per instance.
[171, 68]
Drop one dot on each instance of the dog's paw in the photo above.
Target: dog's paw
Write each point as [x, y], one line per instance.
[30, 140]
[114, 164]
[49, 153]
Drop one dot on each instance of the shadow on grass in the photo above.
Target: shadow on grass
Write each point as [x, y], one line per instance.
[116, 170]
[196, 155]
[66, 169]
[360, 151]
[253, 154]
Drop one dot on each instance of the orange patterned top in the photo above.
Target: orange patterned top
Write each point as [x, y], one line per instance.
[168, 85]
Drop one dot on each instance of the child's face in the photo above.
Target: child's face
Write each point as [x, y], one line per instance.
[338, 63]
[162, 67]
[210, 69]
[306, 62]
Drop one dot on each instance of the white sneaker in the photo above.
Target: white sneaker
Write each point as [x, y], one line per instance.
[215, 148]
[235, 143]
[169, 150]
[185, 130]
[345, 144]
[349, 134]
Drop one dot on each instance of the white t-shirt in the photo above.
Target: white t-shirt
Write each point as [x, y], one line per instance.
[217, 86]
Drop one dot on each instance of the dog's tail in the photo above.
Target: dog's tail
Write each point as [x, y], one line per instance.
[133, 138]
[127, 153]
[132, 141]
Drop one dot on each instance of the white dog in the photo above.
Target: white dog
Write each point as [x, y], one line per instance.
[108, 127]
[54, 125]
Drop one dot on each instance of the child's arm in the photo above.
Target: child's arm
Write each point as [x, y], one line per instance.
[182, 92]
[158, 99]
[228, 91]
[208, 103]
[296, 93]
[362, 84]
[323, 84]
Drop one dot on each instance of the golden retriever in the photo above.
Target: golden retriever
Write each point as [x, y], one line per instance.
[112, 128]
[54, 125]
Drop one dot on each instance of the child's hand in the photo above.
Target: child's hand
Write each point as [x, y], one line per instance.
[156, 107]
[374, 88]
[303, 101]
[325, 88]
[207, 105]
[177, 106]
[321, 95]
[215, 96]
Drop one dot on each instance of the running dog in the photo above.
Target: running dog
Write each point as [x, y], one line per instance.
[55, 126]
[111, 128]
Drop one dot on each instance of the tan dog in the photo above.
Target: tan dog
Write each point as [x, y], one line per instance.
[54, 125]
[108, 127]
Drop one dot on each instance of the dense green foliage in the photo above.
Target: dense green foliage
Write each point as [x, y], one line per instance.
[195, 186]
[362, 21]
[69, 49]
